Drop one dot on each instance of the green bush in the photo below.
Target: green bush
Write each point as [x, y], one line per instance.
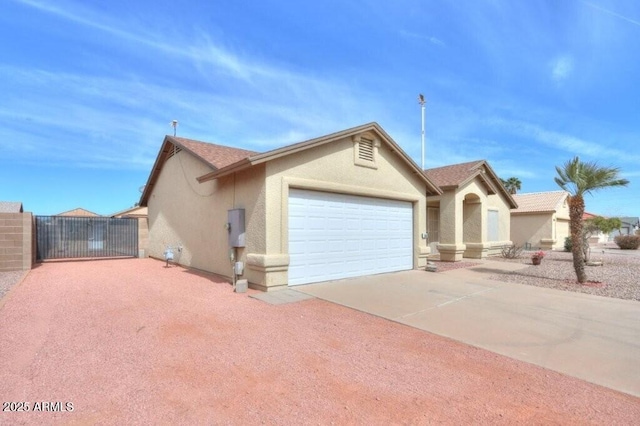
[627, 242]
[568, 245]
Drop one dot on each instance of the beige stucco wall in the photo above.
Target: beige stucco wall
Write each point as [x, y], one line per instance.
[544, 230]
[331, 167]
[184, 212]
[193, 215]
[463, 222]
[532, 229]
[499, 203]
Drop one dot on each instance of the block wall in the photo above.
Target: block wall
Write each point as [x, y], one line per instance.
[16, 241]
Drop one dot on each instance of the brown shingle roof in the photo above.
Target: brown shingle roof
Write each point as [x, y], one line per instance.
[224, 159]
[218, 156]
[455, 174]
[539, 201]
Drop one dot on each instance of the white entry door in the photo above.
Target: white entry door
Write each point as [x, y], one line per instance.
[334, 236]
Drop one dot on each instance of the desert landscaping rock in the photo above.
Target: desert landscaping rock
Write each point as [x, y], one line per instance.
[132, 342]
[8, 280]
[618, 276]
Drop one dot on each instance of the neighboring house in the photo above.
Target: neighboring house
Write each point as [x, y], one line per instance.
[470, 219]
[629, 226]
[599, 237]
[79, 212]
[140, 213]
[541, 220]
[347, 204]
[11, 207]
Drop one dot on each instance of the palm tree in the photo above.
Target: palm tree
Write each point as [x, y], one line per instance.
[579, 178]
[512, 185]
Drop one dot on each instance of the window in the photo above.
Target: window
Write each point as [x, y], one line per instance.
[492, 224]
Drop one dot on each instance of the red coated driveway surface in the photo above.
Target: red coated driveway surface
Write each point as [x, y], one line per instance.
[132, 342]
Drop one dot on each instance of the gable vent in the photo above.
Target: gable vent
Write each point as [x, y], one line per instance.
[365, 150]
[173, 151]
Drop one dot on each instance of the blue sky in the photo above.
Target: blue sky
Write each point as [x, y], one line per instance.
[89, 88]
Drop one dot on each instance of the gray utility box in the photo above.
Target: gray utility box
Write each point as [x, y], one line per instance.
[236, 227]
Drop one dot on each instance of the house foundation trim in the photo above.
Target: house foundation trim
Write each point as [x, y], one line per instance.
[451, 252]
[271, 268]
[477, 250]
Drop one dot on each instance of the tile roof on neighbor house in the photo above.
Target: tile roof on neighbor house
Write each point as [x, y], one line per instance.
[78, 212]
[136, 211]
[10, 207]
[539, 202]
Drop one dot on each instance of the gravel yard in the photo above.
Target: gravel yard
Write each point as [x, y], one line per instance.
[132, 342]
[618, 277]
[8, 280]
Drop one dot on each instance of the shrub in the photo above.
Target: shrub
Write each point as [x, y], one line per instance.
[511, 252]
[627, 242]
[568, 245]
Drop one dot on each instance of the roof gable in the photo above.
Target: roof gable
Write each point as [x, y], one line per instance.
[539, 202]
[457, 175]
[78, 212]
[213, 155]
[136, 211]
[301, 146]
[454, 175]
[10, 207]
[225, 160]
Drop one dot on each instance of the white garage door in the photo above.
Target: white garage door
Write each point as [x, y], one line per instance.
[334, 236]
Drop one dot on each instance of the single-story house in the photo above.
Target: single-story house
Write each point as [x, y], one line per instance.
[11, 207]
[599, 237]
[347, 204]
[541, 220]
[78, 212]
[470, 218]
[630, 224]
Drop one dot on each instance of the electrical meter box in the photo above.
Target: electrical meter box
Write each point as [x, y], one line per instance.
[235, 222]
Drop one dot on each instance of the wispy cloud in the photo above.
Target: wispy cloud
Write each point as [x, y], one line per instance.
[565, 142]
[561, 68]
[431, 39]
[232, 89]
[612, 13]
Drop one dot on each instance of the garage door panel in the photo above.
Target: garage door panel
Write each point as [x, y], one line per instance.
[333, 236]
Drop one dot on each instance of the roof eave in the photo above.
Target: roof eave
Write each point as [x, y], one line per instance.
[238, 166]
[292, 149]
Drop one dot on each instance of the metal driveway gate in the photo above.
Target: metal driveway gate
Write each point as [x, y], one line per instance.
[65, 237]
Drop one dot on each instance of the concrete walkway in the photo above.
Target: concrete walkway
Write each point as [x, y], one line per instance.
[590, 337]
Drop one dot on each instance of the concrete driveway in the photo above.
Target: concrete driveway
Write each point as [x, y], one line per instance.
[589, 337]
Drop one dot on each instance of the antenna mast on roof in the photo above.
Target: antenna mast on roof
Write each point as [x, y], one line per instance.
[174, 124]
[421, 101]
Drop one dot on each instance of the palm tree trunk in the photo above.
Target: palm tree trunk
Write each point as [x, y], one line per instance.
[576, 210]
